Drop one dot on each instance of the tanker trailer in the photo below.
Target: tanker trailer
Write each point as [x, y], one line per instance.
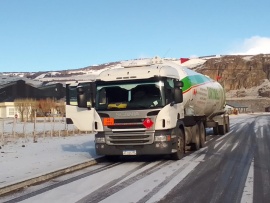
[204, 106]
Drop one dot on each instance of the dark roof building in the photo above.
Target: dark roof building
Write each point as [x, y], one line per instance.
[20, 89]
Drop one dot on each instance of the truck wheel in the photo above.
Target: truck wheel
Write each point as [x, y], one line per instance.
[215, 130]
[196, 137]
[180, 145]
[227, 120]
[202, 134]
[222, 129]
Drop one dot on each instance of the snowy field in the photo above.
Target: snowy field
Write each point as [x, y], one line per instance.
[30, 149]
[23, 159]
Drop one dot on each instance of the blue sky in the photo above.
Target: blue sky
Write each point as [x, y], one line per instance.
[45, 35]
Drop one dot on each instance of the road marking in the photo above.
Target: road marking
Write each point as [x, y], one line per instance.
[247, 196]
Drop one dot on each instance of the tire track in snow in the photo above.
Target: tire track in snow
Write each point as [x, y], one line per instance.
[59, 184]
[134, 189]
[109, 189]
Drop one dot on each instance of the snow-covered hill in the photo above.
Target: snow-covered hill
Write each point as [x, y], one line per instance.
[237, 73]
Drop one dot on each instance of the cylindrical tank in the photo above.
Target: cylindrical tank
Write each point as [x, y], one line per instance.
[202, 95]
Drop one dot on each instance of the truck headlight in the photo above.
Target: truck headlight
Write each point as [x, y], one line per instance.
[100, 140]
[162, 138]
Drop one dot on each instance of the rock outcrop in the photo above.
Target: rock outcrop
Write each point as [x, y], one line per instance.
[244, 78]
[238, 72]
[264, 91]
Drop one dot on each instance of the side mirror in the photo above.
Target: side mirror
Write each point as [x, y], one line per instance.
[81, 97]
[178, 84]
[178, 95]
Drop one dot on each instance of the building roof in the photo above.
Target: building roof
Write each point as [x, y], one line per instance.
[20, 89]
[236, 104]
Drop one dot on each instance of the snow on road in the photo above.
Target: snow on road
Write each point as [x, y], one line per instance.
[24, 159]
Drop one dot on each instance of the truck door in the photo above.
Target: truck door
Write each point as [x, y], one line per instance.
[80, 99]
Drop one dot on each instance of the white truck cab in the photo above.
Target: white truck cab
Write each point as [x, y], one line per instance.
[133, 110]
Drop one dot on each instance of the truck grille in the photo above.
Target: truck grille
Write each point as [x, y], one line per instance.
[130, 138]
[127, 123]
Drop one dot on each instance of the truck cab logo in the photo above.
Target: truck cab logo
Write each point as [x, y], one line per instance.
[127, 114]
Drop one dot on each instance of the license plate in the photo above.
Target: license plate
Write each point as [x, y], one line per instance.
[129, 152]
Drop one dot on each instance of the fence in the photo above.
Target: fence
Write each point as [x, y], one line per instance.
[13, 128]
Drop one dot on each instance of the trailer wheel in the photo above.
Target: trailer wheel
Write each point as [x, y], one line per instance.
[202, 134]
[215, 130]
[222, 129]
[196, 137]
[227, 120]
[180, 145]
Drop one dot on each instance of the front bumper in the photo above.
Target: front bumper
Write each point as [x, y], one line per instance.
[157, 148]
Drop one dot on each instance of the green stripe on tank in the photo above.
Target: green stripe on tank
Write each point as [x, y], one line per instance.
[194, 80]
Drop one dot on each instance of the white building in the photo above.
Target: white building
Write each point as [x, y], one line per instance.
[7, 110]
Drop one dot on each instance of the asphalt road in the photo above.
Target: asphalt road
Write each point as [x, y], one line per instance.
[231, 168]
[236, 167]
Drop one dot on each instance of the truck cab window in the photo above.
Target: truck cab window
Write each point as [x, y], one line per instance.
[168, 86]
[125, 95]
[72, 96]
[145, 96]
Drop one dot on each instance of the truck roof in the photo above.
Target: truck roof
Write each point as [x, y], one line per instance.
[139, 69]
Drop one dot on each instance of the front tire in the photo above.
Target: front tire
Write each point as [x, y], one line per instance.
[180, 145]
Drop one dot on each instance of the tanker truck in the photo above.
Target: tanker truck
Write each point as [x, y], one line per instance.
[147, 107]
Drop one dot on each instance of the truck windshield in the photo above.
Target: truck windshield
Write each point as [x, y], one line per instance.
[130, 95]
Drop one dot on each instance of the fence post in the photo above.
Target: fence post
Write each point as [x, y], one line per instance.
[51, 126]
[59, 124]
[44, 127]
[14, 127]
[2, 131]
[24, 130]
[66, 129]
[34, 132]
